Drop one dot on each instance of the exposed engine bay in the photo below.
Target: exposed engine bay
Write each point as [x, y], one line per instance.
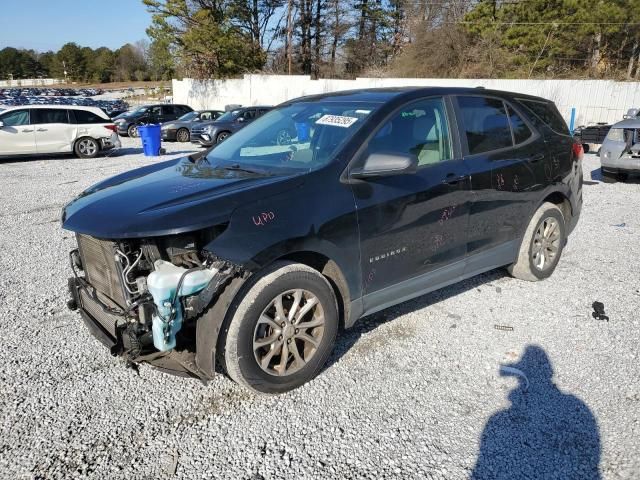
[145, 295]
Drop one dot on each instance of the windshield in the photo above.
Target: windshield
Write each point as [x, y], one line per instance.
[228, 116]
[188, 116]
[301, 136]
[140, 110]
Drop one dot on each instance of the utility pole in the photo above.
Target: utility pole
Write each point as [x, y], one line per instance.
[289, 33]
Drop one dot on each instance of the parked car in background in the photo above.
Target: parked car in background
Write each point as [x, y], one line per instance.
[210, 133]
[45, 129]
[128, 122]
[264, 251]
[620, 151]
[592, 136]
[179, 130]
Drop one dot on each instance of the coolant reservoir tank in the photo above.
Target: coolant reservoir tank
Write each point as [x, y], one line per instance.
[162, 284]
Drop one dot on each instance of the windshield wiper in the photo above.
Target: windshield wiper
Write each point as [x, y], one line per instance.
[237, 168]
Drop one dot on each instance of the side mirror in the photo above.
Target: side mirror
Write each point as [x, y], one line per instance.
[386, 164]
[241, 119]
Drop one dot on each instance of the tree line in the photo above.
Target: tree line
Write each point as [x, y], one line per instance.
[140, 61]
[349, 38]
[429, 38]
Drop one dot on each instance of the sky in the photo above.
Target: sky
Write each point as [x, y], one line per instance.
[48, 24]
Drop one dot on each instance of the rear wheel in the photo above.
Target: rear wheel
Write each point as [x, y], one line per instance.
[541, 245]
[182, 135]
[283, 329]
[132, 131]
[87, 147]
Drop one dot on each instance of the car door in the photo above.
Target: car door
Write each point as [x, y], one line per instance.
[153, 114]
[17, 136]
[53, 131]
[412, 225]
[504, 155]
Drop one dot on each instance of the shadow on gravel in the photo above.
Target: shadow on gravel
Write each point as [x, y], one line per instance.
[544, 434]
[597, 175]
[348, 338]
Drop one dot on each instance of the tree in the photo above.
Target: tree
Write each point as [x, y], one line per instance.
[212, 38]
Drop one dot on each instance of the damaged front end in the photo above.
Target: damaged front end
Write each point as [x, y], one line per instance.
[143, 298]
[620, 152]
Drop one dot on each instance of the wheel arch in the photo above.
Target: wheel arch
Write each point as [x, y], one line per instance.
[562, 201]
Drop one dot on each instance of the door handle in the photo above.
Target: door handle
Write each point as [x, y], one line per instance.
[27, 131]
[41, 130]
[536, 158]
[452, 179]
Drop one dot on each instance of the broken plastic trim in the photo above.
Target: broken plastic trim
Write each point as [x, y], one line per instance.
[195, 305]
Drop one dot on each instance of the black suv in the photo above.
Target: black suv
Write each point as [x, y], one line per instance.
[127, 123]
[254, 254]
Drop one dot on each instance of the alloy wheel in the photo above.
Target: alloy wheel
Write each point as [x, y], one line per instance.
[289, 332]
[87, 147]
[546, 243]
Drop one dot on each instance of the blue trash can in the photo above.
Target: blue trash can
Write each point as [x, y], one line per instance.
[151, 139]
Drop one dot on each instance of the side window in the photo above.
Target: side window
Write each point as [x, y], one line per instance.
[249, 114]
[261, 112]
[166, 110]
[521, 132]
[486, 124]
[16, 118]
[420, 129]
[155, 111]
[85, 117]
[48, 115]
[205, 116]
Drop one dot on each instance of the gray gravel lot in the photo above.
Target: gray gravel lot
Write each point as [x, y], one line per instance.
[411, 392]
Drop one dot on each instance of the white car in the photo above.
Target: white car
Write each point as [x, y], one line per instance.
[46, 129]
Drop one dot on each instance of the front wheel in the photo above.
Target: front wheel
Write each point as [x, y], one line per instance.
[222, 136]
[283, 329]
[182, 135]
[541, 245]
[87, 147]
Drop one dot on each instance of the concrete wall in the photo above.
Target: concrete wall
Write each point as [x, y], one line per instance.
[29, 82]
[594, 100]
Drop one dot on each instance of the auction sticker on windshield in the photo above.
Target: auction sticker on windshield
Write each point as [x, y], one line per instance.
[336, 121]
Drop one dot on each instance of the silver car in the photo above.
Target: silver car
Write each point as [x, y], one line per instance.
[620, 152]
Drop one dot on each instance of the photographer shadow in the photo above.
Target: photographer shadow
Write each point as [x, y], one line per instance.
[544, 434]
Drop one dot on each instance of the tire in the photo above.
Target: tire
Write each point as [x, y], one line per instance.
[182, 135]
[256, 301]
[222, 136]
[609, 177]
[132, 130]
[86, 147]
[527, 266]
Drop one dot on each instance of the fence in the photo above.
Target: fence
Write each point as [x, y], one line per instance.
[30, 82]
[594, 100]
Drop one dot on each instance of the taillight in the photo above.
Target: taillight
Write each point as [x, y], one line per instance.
[578, 151]
[111, 127]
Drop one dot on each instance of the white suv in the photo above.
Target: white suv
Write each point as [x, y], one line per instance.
[46, 129]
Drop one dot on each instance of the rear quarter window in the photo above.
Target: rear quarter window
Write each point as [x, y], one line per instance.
[548, 113]
[86, 117]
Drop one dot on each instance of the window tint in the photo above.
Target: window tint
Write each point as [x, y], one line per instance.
[48, 115]
[155, 111]
[485, 123]
[418, 129]
[83, 117]
[548, 113]
[521, 132]
[15, 118]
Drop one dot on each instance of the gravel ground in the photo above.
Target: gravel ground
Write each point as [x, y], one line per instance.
[412, 392]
